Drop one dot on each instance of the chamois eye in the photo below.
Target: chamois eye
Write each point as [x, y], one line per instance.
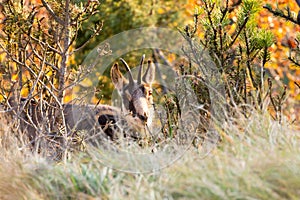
[150, 92]
[143, 89]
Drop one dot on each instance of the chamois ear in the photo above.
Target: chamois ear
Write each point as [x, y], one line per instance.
[117, 78]
[150, 73]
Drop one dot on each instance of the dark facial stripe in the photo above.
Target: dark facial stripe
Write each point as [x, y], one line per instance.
[135, 114]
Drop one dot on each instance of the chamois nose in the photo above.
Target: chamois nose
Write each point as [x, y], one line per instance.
[144, 117]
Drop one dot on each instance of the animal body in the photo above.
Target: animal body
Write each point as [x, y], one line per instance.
[136, 111]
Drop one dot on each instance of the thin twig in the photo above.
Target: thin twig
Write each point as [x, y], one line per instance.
[49, 9]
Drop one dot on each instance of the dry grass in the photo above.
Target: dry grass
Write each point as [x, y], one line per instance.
[259, 161]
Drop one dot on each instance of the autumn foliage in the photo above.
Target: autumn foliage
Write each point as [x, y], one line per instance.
[281, 71]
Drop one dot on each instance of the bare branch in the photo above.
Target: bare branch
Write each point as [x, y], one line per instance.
[49, 9]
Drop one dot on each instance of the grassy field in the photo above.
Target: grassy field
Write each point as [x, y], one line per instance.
[259, 161]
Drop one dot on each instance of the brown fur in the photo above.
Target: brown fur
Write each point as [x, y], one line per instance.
[38, 117]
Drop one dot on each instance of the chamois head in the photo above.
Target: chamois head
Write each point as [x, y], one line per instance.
[136, 94]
